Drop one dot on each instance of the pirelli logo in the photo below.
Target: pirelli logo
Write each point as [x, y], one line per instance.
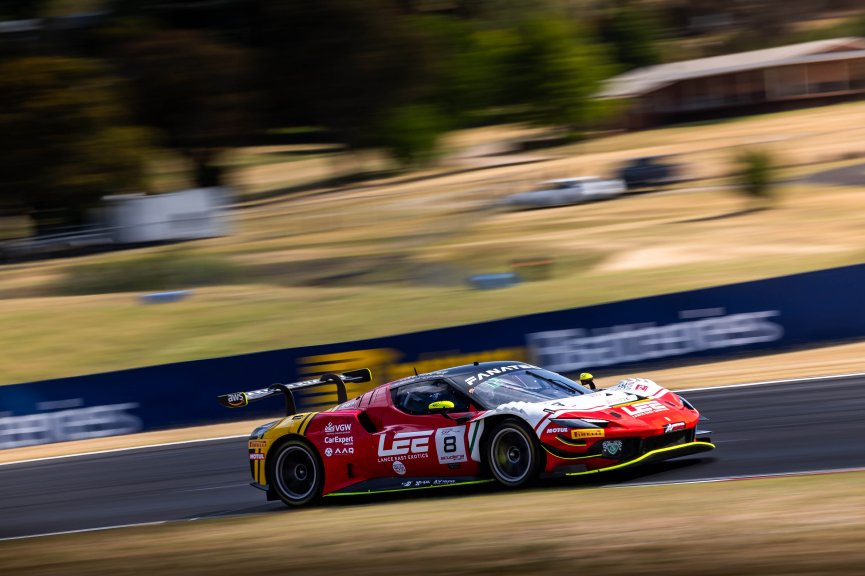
[587, 433]
[254, 444]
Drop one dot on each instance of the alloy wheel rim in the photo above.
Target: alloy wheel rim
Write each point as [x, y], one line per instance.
[296, 473]
[512, 455]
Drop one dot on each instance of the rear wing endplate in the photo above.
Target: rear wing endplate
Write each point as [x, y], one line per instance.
[241, 399]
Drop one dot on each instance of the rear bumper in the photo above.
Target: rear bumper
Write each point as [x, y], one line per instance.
[654, 456]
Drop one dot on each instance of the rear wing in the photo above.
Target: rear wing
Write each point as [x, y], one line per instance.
[241, 399]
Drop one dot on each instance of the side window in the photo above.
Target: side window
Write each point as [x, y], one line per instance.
[415, 398]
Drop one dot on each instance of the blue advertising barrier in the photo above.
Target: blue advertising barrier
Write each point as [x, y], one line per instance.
[766, 314]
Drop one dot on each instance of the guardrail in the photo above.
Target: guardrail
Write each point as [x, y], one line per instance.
[802, 309]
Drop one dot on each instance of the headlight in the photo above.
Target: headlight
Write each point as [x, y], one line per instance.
[259, 432]
[581, 422]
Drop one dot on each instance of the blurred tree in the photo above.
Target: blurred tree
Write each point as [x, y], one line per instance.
[556, 71]
[410, 133]
[346, 65]
[633, 32]
[66, 138]
[755, 173]
[13, 9]
[223, 18]
[465, 74]
[200, 93]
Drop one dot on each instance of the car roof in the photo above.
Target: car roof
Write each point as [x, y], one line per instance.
[457, 371]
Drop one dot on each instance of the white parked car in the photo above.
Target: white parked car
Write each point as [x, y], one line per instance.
[568, 191]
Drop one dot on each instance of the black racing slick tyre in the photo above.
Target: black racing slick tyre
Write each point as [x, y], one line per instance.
[295, 473]
[513, 454]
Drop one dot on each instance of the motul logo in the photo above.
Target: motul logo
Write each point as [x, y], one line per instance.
[405, 443]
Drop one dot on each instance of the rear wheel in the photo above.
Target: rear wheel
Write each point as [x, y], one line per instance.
[295, 473]
[513, 454]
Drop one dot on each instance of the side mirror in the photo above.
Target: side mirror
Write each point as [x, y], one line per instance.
[444, 406]
[441, 406]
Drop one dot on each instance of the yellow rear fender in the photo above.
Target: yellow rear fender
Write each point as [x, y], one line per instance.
[295, 425]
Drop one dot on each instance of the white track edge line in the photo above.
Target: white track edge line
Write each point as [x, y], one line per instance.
[217, 438]
[783, 381]
[113, 450]
[84, 530]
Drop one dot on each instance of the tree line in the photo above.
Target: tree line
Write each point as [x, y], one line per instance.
[83, 105]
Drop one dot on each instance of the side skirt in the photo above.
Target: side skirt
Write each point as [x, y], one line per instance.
[382, 485]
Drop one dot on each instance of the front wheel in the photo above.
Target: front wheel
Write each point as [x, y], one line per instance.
[513, 454]
[296, 475]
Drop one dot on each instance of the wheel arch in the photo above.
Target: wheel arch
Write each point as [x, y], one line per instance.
[491, 422]
[274, 449]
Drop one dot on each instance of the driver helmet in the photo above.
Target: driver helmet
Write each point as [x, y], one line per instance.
[586, 377]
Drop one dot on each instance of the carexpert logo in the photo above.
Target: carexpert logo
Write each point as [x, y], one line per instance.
[73, 422]
[339, 439]
[404, 446]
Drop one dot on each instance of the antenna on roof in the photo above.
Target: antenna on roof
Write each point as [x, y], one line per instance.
[476, 362]
[415, 370]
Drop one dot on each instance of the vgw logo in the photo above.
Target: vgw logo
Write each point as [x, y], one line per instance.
[413, 444]
[331, 428]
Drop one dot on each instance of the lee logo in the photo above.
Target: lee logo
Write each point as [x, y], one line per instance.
[405, 443]
[644, 408]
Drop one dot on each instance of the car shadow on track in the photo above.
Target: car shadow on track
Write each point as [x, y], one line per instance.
[650, 473]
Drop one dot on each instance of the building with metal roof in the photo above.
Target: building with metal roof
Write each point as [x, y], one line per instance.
[746, 82]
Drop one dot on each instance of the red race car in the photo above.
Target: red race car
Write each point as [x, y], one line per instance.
[508, 422]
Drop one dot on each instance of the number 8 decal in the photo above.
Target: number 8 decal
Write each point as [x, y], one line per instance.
[451, 444]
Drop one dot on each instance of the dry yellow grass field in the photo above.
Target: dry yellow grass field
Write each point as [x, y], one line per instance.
[392, 254]
[797, 526]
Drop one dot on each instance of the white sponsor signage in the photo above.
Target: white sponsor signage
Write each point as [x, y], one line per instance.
[574, 349]
[496, 371]
[71, 424]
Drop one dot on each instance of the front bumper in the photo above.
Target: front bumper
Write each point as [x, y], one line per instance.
[657, 455]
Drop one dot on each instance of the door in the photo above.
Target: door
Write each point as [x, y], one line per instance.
[420, 443]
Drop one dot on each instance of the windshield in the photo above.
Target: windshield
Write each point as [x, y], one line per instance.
[534, 385]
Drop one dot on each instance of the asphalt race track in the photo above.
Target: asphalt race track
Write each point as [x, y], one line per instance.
[764, 429]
